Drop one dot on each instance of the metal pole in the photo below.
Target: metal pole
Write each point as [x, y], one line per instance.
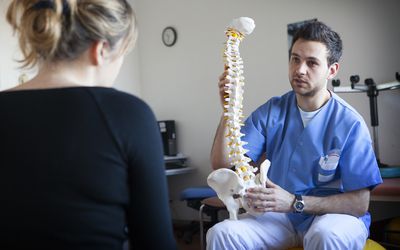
[202, 245]
[376, 143]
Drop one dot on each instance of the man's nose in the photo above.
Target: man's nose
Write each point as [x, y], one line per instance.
[301, 68]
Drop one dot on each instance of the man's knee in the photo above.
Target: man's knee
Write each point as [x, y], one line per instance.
[223, 236]
[344, 232]
[319, 237]
[218, 233]
[214, 232]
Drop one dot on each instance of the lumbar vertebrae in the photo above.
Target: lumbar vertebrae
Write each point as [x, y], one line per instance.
[231, 185]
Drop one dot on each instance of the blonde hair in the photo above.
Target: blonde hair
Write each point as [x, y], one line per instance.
[53, 30]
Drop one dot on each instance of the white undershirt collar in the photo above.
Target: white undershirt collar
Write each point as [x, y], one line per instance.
[307, 116]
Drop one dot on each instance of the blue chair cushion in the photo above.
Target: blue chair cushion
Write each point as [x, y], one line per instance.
[197, 193]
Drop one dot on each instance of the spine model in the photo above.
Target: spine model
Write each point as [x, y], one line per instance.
[233, 99]
[229, 185]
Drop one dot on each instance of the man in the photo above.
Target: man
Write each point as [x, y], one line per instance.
[322, 162]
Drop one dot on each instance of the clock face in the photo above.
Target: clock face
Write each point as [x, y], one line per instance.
[169, 36]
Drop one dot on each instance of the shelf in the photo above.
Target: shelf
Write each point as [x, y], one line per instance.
[176, 171]
[178, 157]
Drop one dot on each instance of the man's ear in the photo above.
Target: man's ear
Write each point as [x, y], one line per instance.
[99, 52]
[333, 70]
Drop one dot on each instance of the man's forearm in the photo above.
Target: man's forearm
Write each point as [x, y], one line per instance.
[353, 203]
[219, 153]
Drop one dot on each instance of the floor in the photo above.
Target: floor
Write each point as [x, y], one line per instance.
[183, 231]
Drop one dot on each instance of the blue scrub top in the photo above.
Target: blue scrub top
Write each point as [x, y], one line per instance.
[332, 155]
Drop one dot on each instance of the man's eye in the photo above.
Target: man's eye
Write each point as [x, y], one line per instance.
[312, 63]
[295, 59]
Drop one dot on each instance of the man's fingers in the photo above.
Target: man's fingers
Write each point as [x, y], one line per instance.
[261, 196]
[264, 209]
[270, 184]
[223, 76]
[263, 204]
[255, 196]
[261, 190]
[222, 83]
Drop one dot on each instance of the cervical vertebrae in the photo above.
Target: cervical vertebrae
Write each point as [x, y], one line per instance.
[224, 181]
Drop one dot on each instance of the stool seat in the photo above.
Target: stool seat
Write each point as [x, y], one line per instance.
[373, 245]
[213, 202]
[197, 193]
[369, 245]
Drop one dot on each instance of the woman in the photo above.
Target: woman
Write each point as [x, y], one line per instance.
[81, 163]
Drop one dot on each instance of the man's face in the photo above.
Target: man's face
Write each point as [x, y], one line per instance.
[308, 67]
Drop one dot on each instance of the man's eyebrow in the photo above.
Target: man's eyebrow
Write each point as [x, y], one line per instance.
[308, 58]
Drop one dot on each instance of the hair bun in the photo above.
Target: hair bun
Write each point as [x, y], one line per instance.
[51, 30]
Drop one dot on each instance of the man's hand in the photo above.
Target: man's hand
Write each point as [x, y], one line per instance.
[275, 199]
[271, 198]
[221, 86]
[219, 153]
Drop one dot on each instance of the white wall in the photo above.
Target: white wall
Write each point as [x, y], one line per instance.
[9, 71]
[129, 77]
[180, 82]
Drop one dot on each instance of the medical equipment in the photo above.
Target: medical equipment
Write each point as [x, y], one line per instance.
[372, 89]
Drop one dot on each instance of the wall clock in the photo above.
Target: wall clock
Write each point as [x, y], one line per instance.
[169, 36]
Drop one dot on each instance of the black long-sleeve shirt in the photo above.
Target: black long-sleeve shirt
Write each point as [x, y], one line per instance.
[81, 168]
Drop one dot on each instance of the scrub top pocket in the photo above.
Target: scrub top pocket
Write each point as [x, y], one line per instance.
[327, 166]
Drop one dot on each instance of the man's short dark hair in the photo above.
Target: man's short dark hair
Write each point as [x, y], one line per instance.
[319, 32]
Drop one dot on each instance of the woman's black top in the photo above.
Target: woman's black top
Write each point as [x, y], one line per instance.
[81, 168]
